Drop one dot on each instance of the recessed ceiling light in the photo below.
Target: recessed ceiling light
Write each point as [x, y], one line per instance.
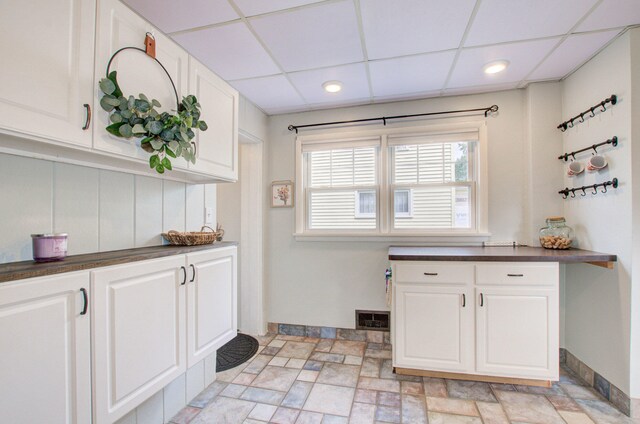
[332, 86]
[495, 66]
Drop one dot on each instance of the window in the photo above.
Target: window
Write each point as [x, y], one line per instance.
[413, 181]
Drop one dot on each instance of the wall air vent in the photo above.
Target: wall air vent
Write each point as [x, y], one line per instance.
[372, 320]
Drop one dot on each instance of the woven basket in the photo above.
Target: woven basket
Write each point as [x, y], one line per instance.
[192, 238]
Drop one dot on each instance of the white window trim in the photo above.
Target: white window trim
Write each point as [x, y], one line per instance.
[384, 231]
[359, 214]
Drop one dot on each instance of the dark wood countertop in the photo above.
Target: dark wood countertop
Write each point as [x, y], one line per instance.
[497, 254]
[29, 269]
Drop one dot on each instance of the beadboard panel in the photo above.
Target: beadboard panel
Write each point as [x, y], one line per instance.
[100, 210]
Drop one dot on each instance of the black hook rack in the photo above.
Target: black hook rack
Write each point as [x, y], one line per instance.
[613, 141]
[591, 111]
[485, 110]
[565, 193]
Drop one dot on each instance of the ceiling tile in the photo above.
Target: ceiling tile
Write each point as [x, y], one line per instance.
[231, 51]
[274, 92]
[480, 89]
[523, 57]
[407, 27]
[612, 14]
[411, 74]
[257, 7]
[313, 37]
[573, 52]
[171, 15]
[353, 77]
[499, 21]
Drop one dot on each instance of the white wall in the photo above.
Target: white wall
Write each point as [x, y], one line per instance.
[598, 300]
[635, 297]
[100, 210]
[322, 283]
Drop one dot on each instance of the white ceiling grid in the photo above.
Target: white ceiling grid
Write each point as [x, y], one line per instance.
[278, 53]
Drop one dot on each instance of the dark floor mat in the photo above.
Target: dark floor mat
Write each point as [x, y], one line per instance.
[236, 352]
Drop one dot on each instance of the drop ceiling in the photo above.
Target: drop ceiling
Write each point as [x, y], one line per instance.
[278, 53]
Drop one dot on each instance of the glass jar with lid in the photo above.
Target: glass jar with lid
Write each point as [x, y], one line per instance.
[557, 234]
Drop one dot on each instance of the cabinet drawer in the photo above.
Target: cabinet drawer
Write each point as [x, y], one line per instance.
[518, 273]
[435, 273]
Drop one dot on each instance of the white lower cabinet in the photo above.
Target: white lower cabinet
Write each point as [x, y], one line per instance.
[503, 323]
[45, 360]
[139, 337]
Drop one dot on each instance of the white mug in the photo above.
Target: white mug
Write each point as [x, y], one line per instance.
[575, 168]
[596, 163]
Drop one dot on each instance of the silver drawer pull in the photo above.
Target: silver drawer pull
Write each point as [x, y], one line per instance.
[515, 275]
[431, 274]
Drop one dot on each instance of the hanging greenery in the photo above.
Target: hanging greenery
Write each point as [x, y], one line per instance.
[163, 135]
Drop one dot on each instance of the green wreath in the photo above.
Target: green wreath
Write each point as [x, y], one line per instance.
[163, 135]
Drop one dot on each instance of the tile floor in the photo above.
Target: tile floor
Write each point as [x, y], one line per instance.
[301, 380]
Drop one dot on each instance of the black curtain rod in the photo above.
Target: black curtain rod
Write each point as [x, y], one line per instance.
[486, 110]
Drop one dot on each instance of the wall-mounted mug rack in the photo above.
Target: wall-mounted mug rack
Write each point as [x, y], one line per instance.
[589, 113]
[565, 193]
[613, 141]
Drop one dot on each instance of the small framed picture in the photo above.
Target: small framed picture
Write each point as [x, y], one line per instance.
[282, 194]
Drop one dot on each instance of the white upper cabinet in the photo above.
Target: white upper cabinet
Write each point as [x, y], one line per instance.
[47, 69]
[118, 27]
[217, 147]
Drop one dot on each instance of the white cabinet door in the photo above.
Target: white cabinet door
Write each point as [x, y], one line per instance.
[517, 332]
[47, 69]
[433, 327]
[45, 354]
[119, 27]
[139, 343]
[211, 301]
[217, 147]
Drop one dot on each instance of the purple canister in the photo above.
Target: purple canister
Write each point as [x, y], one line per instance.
[49, 247]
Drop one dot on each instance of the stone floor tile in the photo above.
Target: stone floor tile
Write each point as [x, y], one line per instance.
[224, 410]
[339, 375]
[264, 340]
[334, 419]
[471, 390]
[244, 378]
[365, 396]
[389, 399]
[347, 347]
[270, 351]
[186, 415]
[271, 397]
[375, 336]
[279, 361]
[324, 345]
[580, 392]
[440, 418]
[252, 421]
[388, 414]
[372, 353]
[307, 417]
[362, 413]
[414, 409]
[313, 340]
[434, 387]
[310, 376]
[452, 406]
[379, 384]
[564, 403]
[277, 343]
[296, 363]
[228, 375]
[535, 409]
[275, 378]
[569, 377]
[285, 416]
[290, 338]
[297, 395]
[327, 357]
[353, 335]
[371, 367]
[535, 390]
[411, 388]
[603, 412]
[207, 395]
[257, 365]
[328, 332]
[291, 329]
[386, 370]
[353, 360]
[492, 413]
[375, 346]
[326, 399]
[233, 390]
[312, 331]
[263, 412]
[313, 365]
[576, 417]
[299, 350]
[503, 387]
